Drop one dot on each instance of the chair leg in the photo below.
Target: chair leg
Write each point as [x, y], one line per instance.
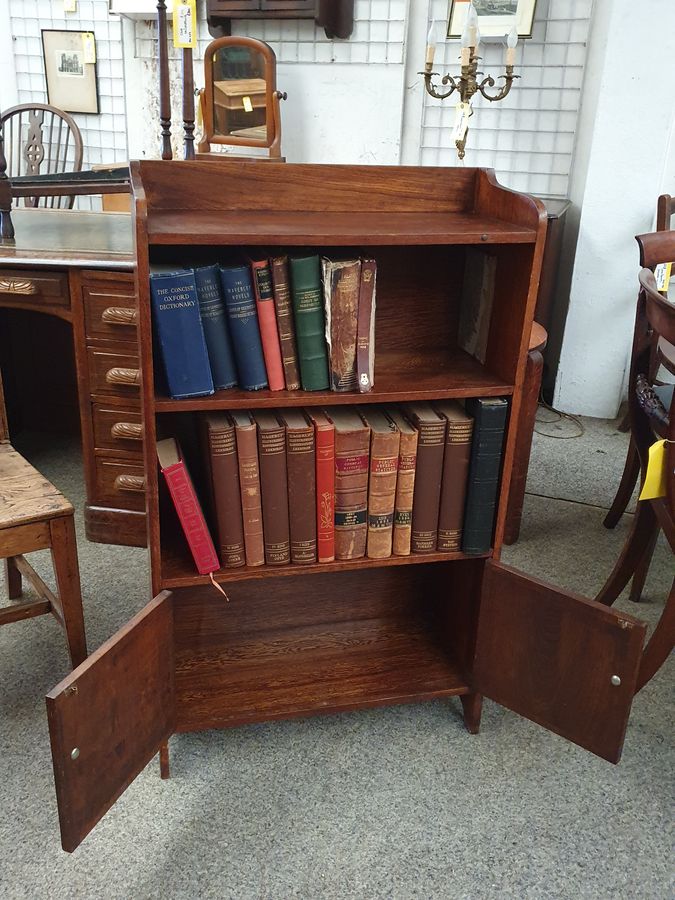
[642, 570]
[631, 473]
[67, 572]
[641, 535]
[13, 578]
[660, 644]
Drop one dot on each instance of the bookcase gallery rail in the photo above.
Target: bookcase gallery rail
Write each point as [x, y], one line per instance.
[301, 639]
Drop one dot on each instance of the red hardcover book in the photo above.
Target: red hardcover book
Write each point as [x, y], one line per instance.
[267, 320]
[324, 432]
[187, 506]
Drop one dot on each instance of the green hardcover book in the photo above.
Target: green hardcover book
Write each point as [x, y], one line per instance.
[310, 328]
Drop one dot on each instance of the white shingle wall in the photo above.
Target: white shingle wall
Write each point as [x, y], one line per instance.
[528, 137]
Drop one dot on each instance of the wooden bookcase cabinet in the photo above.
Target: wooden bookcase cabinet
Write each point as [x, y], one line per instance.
[345, 635]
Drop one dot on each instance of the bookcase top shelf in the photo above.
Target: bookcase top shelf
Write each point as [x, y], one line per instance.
[269, 228]
[456, 376]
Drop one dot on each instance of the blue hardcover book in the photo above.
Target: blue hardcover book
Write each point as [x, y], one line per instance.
[243, 321]
[179, 332]
[216, 330]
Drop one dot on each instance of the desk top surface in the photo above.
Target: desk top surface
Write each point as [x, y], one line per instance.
[70, 238]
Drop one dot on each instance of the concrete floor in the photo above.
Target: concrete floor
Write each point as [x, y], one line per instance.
[397, 802]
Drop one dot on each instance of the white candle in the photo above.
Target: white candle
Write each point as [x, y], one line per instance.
[511, 44]
[465, 56]
[472, 25]
[431, 45]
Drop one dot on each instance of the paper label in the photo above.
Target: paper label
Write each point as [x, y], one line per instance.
[88, 47]
[248, 106]
[662, 276]
[462, 113]
[655, 480]
[70, 5]
[185, 24]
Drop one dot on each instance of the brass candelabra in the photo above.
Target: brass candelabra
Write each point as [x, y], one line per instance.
[467, 85]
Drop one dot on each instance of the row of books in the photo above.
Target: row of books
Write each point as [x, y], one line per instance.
[301, 486]
[279, 323]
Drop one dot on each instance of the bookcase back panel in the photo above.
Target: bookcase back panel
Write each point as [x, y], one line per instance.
[318, 643]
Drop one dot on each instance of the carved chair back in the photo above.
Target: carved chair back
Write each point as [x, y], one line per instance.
[41, 140]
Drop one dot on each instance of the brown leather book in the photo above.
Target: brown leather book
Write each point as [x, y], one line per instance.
[428, 475]
[405, 483]
[274, 487]
[455, 473]
[249, 484]
[284, 311]
[365, 333]
[223, 471]
[352, 452]
[384, 449]
[301, 466]
[341, 284]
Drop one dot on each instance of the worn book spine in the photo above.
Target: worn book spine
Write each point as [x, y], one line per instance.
[484, 470]
[180, 334]
[301, 463]
[453, 488]
[216, 329]
[243, 321]
[428, 474]
[306, 294]
[224, 471]
[365, 336]
[324, 436]
[405, 486]
[352, 451]
[285, 325]
[384, 450]
[251, 505]
[267, 320]
[274, 486]
[191, 517]
[341, 283]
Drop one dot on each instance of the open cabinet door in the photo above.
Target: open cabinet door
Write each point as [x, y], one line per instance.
[565, 662]
[108, 718]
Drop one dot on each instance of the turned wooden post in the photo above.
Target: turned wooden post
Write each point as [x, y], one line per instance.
[188, 105]
[6, 226]
[164, 93]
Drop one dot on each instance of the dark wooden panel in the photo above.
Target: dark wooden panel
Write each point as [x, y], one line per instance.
[108, 369]
[550, 656]
[118, 427]
[317, 643]
[109, 306]
[48, 290]
[108, 718]
[106, 525]
[117, 480]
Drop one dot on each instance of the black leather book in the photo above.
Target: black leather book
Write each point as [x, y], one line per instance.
[489, 416]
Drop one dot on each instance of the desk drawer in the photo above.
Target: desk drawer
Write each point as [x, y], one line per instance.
[116, 374]
[110, 306]
[120, 483]
[118, 428]
[34, 286]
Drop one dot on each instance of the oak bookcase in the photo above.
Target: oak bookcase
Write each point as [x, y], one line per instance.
[298, 640]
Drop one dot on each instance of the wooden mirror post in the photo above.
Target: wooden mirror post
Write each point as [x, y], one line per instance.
[164, 94]
[6, 226]
[188, 105]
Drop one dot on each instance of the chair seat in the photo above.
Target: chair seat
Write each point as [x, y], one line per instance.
[26, 495]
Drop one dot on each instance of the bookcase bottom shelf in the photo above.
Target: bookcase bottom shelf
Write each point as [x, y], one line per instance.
[368, 640]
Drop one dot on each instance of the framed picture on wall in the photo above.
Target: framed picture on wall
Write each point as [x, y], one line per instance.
[495, 17]
[70, 70]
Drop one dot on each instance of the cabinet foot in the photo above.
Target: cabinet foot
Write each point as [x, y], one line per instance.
[164, 768]
[472, 705]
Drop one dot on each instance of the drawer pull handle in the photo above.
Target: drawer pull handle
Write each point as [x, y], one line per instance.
[17, 286]
[130, 431]
[119, 375]
[119, 315]
[134, 483]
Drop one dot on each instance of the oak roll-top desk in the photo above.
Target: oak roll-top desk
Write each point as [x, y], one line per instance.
[79, 267]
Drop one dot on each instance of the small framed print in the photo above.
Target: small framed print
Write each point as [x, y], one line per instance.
[495, 17]
[70, 70]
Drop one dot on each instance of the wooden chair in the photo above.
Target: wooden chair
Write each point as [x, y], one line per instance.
[34, 515]
[652, 416]
[664, 356]
[41, 140]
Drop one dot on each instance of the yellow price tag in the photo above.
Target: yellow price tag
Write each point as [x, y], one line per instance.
[655, 479]
[185, 23]
[248, 106]
[89, 47]
[662, 275]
